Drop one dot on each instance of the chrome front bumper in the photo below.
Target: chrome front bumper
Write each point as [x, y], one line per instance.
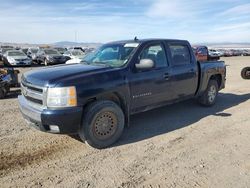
[30, 113]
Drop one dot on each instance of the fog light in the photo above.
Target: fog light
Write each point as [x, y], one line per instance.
[54, 128]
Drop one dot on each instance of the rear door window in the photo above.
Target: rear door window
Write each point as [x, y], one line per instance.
[180, 54]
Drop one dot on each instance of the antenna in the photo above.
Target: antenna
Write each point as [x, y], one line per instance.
[135, 39]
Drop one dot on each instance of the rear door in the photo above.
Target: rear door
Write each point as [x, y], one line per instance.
[153, 86]
[184, 70]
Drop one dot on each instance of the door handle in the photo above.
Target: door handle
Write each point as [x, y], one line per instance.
[166, 76]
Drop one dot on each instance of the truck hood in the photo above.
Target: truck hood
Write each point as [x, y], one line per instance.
[49, 76]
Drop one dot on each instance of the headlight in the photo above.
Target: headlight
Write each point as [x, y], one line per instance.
[61, 97]
[11, 59]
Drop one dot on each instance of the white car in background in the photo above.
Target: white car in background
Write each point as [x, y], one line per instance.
[16, 57]
[75, 56]
[75, 60]
[32, 53]
[214, 53]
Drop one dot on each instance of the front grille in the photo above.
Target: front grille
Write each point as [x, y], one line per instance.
[33, 94]
[21, 59]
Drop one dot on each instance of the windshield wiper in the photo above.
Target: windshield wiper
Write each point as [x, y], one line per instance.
[85, 62]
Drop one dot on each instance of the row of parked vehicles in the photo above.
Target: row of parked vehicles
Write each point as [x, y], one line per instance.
[229, 52]
[42, 55]
[203, 53]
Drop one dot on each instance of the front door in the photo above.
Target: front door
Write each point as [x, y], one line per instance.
[151, 87]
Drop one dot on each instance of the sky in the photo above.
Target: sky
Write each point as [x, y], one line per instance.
[47, 21]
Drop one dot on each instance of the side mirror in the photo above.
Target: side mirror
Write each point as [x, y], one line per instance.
[145, 64]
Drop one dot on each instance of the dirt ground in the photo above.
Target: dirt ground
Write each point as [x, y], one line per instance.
[182, 145]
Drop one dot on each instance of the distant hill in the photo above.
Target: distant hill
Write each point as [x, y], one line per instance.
[226, 45]
[69, 43]
[59, 44]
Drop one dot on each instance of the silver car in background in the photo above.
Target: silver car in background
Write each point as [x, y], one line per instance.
[32, 53]
[16, 58]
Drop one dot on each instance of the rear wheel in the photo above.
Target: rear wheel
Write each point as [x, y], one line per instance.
[46, 62]
[245, 73]
[6, 63]
[103, 124]
[209, 96]
[2, 93]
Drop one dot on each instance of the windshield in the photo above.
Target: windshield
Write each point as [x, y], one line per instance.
[6, 49]
[77, 53]
[114, 55]
[16, 53]
[62, 50]
[51, 52]
[34, 50]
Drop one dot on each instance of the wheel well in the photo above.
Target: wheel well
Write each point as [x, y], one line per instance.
[115, 97]
[218, 78]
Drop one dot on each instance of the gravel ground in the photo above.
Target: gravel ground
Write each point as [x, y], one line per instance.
[182, 145]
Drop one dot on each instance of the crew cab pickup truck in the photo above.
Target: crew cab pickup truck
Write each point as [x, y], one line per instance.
[96, 97]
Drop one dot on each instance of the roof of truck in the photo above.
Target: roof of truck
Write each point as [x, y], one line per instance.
[147, 40]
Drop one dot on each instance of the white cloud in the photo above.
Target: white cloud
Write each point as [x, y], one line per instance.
[169, 9]
[237, 10]
[237, 26]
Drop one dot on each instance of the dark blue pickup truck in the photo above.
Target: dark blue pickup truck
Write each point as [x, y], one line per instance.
[96, 97]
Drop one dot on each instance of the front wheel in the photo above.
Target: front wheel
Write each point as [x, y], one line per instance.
[2, 93]
[46, 62]
[209, 96]
[103, 124]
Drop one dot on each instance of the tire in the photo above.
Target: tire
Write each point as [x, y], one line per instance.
[2, 93]
[103, 124]
[5, 63]
[46, 62]
[245, 73]
[210, 95]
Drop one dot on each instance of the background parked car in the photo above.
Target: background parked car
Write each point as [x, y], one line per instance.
[74, 60]
[72, 54]
[16, 57]
[228, 53]
[236, 52]
[50, 56]
[25, 50]
[32, 53]
[246, 53]
[77, 48]
[214, 53]
[60, 50]
[3, 50]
